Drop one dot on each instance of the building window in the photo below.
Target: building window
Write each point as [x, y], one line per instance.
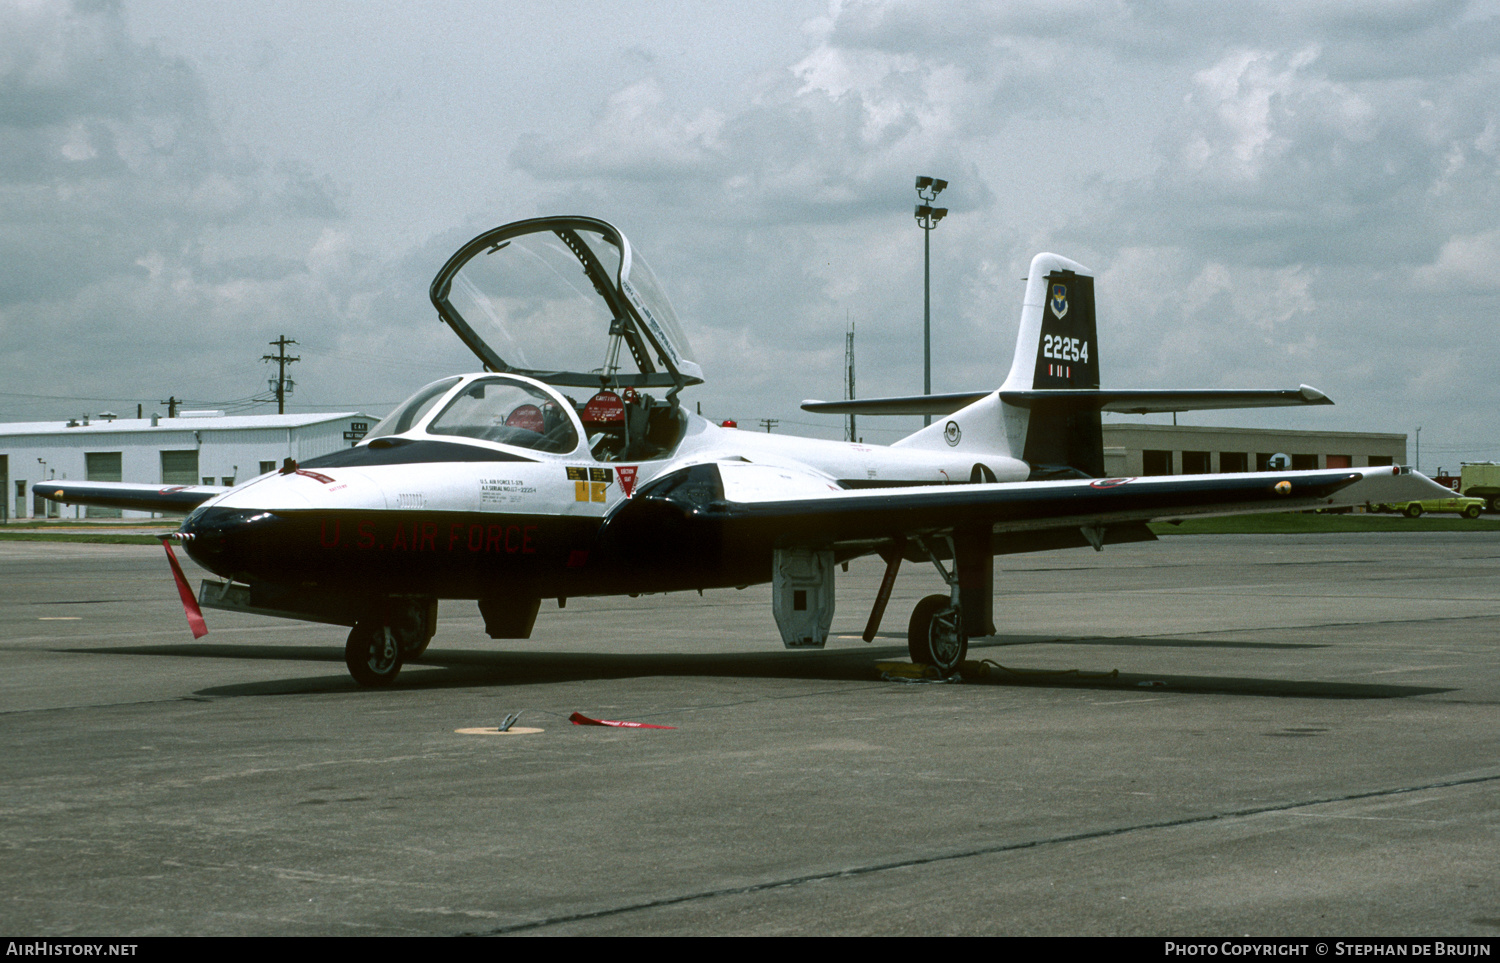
[1377, 460]
[1340, 461]
[1304, 463]
[1156, 462]
[1195, 463]
[266, 467]
[1233, 461]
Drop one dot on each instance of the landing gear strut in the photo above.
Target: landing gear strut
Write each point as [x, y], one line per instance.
[937, 635]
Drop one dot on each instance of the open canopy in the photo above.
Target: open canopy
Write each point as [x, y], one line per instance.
[566, 301]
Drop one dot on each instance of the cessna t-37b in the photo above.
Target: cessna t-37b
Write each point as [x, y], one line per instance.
[571, 467]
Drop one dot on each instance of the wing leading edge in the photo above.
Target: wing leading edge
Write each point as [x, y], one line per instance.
[169, 499]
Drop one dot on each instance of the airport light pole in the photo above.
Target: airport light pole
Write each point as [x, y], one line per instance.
[928, 188]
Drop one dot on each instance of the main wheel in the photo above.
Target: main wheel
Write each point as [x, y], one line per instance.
[1414, 510]
[372, 654]
[1471, 512]
[935, 635]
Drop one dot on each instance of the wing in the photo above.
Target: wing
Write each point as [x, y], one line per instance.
[169, 499]
[753, 507]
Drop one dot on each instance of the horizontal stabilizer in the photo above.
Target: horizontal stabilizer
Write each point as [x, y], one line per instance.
[1135, 401]
[170, 499]
[1146, 401]
[908, 405]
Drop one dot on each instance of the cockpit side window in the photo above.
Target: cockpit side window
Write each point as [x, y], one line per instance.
[412, 409]
[510, 413]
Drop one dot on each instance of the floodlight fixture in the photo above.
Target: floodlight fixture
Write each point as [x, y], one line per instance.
[923, 183]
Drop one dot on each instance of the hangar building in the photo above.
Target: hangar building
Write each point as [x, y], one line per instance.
[1135, 450]
[196, 448]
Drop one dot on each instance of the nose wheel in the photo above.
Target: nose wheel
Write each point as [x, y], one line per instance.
[393, 633]
[373, 654]
[935, 635]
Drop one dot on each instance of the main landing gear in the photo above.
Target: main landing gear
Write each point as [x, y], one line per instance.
[935, 636]
[396, 634]
[938, 633]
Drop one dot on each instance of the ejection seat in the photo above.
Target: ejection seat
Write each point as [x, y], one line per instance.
[634, 427]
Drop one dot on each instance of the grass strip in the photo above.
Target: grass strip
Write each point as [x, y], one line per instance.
[100, 538]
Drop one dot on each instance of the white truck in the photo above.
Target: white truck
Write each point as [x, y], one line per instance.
[1481, 479]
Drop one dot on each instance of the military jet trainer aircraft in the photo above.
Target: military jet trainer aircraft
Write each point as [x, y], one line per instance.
[569, 467]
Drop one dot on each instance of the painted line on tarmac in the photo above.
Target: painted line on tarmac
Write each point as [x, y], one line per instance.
[977, 851]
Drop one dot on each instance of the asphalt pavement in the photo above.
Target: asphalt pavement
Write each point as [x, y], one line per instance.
[1209, 735]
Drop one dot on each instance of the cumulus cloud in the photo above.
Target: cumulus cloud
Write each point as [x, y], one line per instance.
[131, 234]
[1261, 188]
[1269, 195]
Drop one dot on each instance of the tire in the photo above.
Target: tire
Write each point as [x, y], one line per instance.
[1471, 512]
[372, 655]
[415, 652]
[1413, 510]
[935, 636]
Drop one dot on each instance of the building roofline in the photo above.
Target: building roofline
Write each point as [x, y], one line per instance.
[144, 425]
[1295, 433]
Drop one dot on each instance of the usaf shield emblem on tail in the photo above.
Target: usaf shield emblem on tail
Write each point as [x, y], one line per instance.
[1059, 302]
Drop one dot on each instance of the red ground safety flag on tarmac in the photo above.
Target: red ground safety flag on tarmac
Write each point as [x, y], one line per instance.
[189, 603]
[579, 719]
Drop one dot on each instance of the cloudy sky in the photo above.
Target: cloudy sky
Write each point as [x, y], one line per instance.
[1269, 193]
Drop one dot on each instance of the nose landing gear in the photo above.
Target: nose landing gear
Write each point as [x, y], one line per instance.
[372, 654]
[379, 645]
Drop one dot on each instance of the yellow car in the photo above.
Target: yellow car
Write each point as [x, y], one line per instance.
[1458, 505]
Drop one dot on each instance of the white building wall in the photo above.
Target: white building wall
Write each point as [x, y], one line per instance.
[232, 447]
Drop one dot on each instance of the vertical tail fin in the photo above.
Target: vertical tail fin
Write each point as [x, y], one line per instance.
[1057, 348]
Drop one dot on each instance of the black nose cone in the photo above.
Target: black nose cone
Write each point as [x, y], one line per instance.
[232, 542]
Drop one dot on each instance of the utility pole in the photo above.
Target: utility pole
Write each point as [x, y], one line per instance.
[849, 369]
[769, 423]
[172, 402]
[280, 384]
[928, 188]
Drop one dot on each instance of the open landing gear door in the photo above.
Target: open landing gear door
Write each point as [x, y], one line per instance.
[566, 301]
[802, 596]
